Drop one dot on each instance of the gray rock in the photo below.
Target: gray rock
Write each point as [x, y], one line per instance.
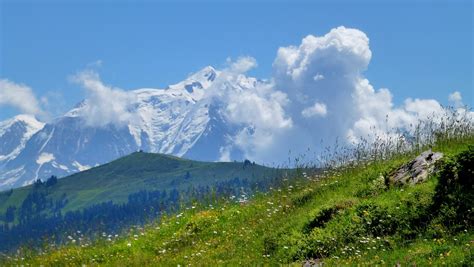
[417, 170]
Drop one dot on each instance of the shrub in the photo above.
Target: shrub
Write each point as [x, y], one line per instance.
[454, 194]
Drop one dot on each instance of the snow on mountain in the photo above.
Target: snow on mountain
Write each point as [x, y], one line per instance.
[197, 83]
[178, 120]
[14, 133]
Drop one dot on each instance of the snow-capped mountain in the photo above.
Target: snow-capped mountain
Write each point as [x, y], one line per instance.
[178, 120]
[14, 133]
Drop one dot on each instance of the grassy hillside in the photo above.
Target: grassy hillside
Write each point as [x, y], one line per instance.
[347, 215]
[116, 180]
[132, 190]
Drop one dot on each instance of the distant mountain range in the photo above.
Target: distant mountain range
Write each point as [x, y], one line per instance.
[177, 120]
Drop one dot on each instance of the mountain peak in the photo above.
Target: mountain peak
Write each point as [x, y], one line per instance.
[28, 120]
[206, 74]
[196, 82]
[14, 133]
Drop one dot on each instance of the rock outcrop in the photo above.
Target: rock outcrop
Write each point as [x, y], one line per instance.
[417, 170]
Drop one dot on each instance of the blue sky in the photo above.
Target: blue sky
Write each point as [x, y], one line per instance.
[419, 50]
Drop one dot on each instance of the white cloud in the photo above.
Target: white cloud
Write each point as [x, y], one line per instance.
[105, 104]
[19, 96]
[261, 109]
[342, 50]
[242, 64]
[455, 99]
[252, 104]
[320, 74]
[317, 110]
[423, 108]
[224, 153]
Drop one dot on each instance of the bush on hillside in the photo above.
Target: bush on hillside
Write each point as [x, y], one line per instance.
[454, 195]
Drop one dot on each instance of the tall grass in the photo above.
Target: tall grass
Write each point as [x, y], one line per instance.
[442, 129]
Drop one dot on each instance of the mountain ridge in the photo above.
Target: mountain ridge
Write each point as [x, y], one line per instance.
[180, 120]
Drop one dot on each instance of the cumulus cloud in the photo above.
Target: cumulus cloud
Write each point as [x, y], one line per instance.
[340, 52]
[105, 104]
[19, 96]
[241, 65]
[254, 105]
[323, 95]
